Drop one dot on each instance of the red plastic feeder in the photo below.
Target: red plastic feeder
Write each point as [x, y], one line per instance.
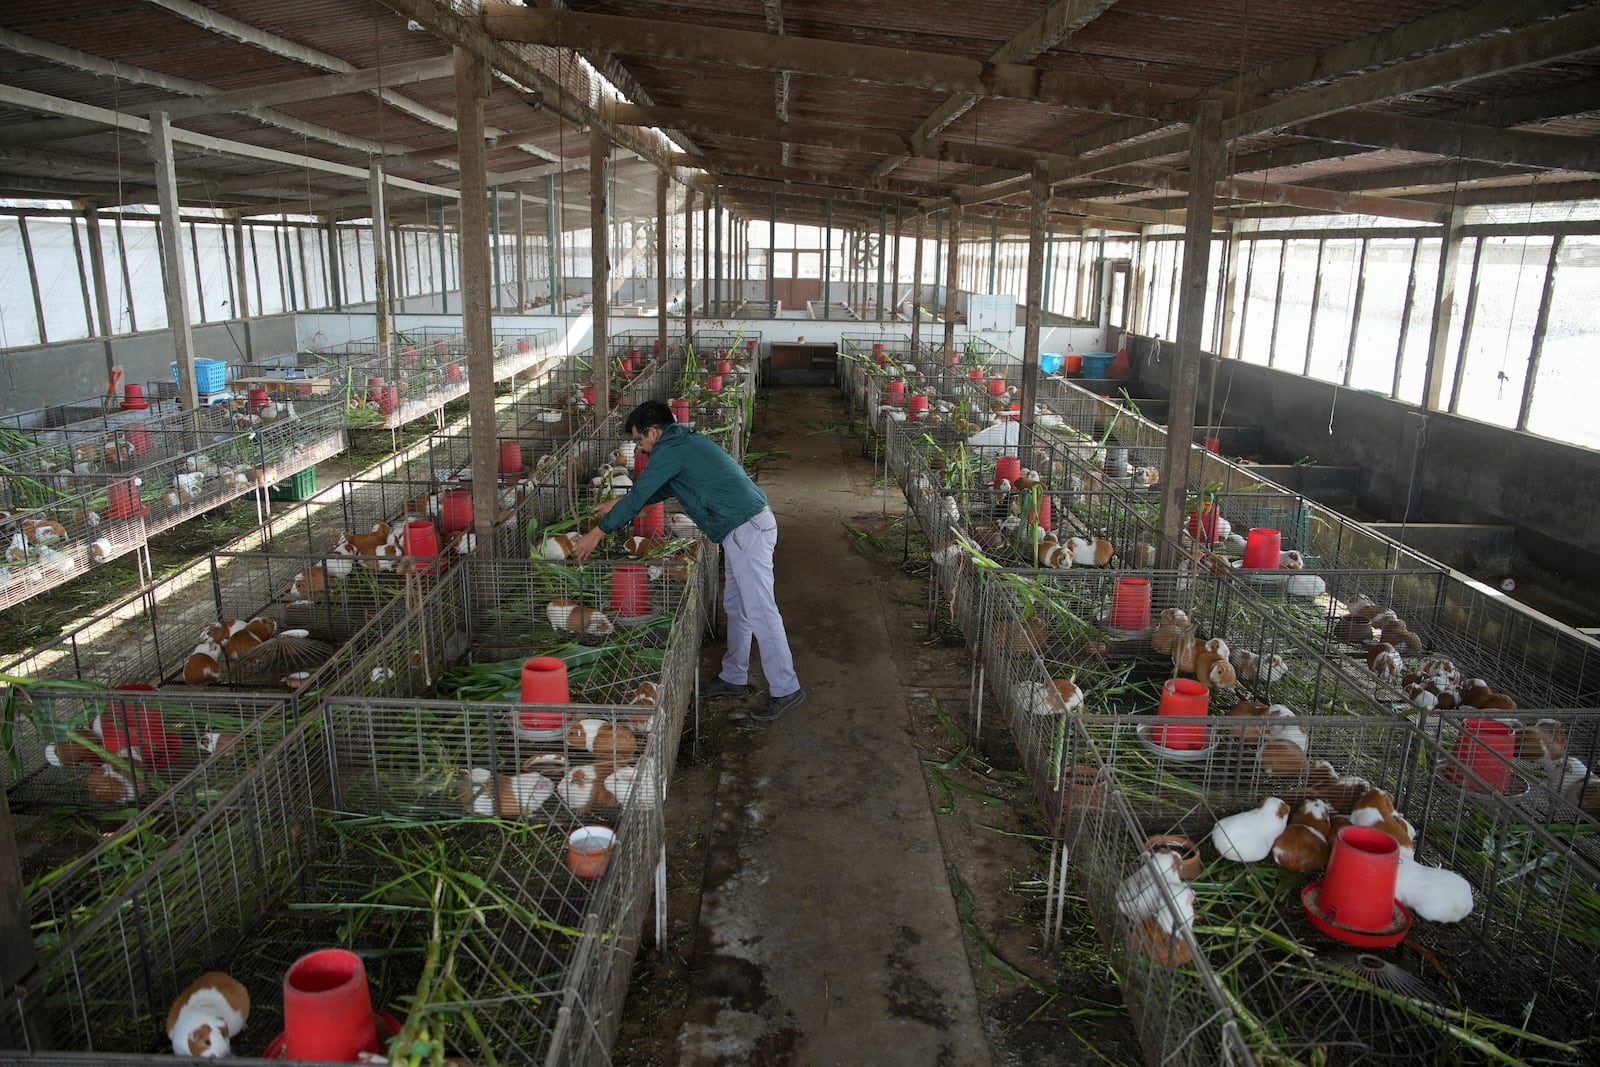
[640, 458]
[510, 457]
[139, 438]
[327, 1007]
[452, 372]
[455, 511]
[544, 681]
[374, 390]
[713, 383]
[522, 346]
[918, 407]
[1008, 468]
[651, 520]
[1182, 698]
[1203, 523]
[630, 590]
[258, 399]
[894, 391]
[997, 387]
[1354, 902]
[422, 541]
[439, 347]
[1261, 550]
[122, 499]
[680, 409]
[1485, 747]
[133, 397]
[1036, 509]
[1130, 604]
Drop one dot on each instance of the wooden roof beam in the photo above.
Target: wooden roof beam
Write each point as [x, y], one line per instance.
[748, 49]
[300, 89]
[1292, 195]
[1043, 32]
[1376, 129]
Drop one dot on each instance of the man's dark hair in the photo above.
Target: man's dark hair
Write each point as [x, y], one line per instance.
[648, 414]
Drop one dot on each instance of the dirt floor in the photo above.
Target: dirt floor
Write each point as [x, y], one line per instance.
[861, 882]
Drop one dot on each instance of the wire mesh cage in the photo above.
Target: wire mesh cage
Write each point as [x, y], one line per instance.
[1493, 953]
[308, 616]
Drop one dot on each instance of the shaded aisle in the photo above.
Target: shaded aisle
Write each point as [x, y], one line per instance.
[827, 933]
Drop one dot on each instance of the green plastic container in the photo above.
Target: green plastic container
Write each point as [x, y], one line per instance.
[301, 486]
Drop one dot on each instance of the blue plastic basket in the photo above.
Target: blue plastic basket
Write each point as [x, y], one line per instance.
[1095, 363]
[1049, 362]
[210, 375]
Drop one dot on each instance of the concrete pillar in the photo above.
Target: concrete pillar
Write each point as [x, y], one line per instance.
[380, 258]
[1038, 208]
[175, 283]
[663, 179]
[1206, 157]
[600, 269]
[952, 266]
[472, 88]
[916, 287]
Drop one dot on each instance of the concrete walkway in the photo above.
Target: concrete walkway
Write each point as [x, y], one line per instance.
[827, 931]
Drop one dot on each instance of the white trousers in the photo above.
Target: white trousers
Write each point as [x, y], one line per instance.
[752, 608]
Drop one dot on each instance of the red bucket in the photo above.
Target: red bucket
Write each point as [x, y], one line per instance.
[258, 399]
[1130, 604]
[680, 409]
[133, 397]
[894, 391]
[918, 407]
[455, 511]
[651, 520]
[452, 372]
[713, 383]
[1261, 550]
[422, 541]
[1182, 698]
[1485, 746]
[1008, 468]
[997, 387]
[630, 590]
[1074, 364]
[510, 457]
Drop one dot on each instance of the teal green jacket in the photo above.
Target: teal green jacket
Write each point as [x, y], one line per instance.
[711, 487]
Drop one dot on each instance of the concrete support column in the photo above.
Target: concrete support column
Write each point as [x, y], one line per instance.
[1038, 208]
[522, 252]
[688, 264]
[894, 271]
[1444, 298]
[472, 89]
[335, 266]
[380, 259]
[102, 292]
[663, 179]
[916, 288]
[1206, 157]
[951, 282]
[600, 268]
[176, 284]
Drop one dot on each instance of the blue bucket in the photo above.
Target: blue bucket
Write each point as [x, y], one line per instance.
[1095, 363]
[1049, 362]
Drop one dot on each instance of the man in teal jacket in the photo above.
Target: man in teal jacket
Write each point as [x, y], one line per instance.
[719, 496]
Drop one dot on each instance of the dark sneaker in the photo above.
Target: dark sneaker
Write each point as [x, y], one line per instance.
[717, 689]
[778, 705]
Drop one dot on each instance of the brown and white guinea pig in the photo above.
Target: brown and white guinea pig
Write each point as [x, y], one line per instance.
[207, 1016]
[605, 740]
[1542, 740]
[1173, 625]
[107, 785]
[204, 665]
[1089, 552]
[584, 788]
[1251, 721]
[1342, 792]
[1214, 671]
[1305, 843]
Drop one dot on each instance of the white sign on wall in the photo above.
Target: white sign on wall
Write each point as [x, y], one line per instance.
[991, 313]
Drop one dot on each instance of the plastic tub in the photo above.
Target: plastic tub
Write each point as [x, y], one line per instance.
[1050, 362]
[1095, 363]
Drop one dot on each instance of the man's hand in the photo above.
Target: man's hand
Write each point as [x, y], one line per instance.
[588, 542]
[603, 506]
